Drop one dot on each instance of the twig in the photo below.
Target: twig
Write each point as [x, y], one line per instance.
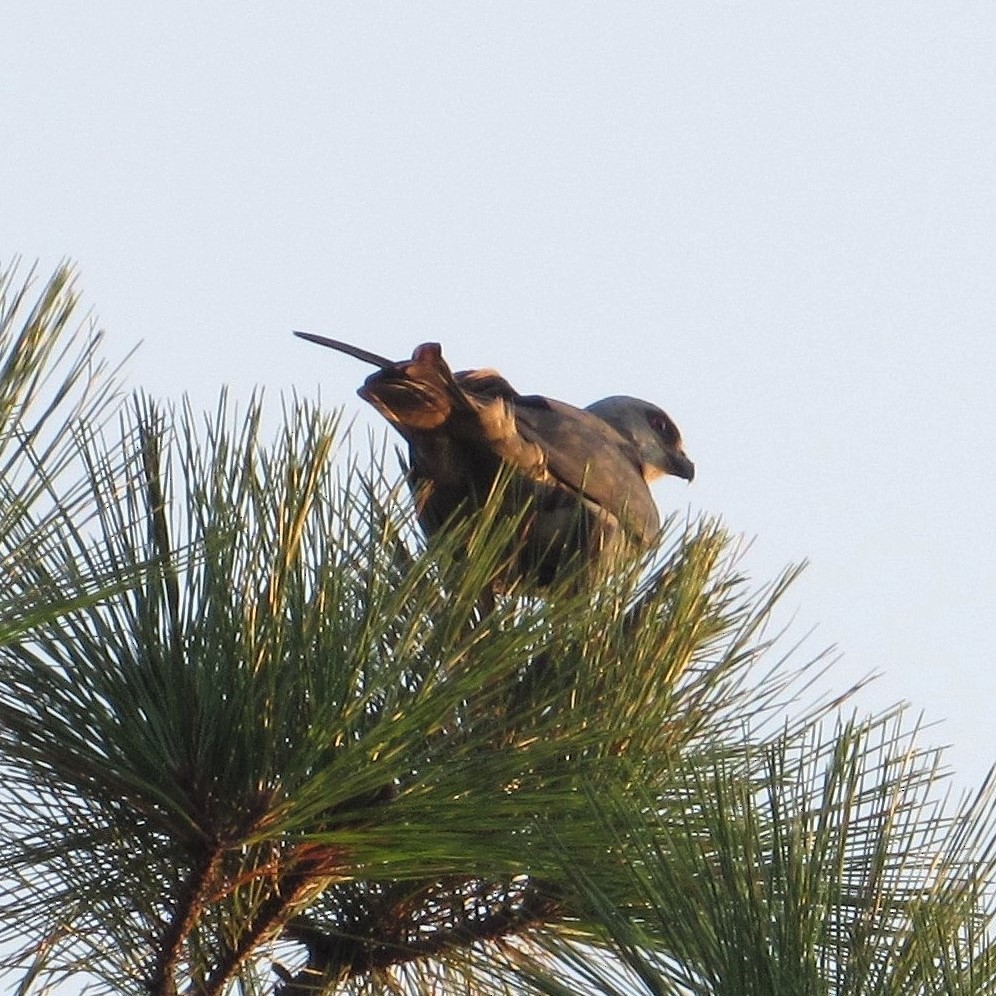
[383, 943]
[188, 911]
[311, 867]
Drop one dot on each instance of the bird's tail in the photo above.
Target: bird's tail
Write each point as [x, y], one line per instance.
[420, 393]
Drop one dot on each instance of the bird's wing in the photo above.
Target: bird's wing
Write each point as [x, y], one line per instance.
[485, 383]
[590, 458]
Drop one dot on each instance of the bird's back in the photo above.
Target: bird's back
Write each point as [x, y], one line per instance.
[581, 477]
[582, 473]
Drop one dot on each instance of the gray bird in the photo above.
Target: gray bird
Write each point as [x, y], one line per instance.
[585, 471]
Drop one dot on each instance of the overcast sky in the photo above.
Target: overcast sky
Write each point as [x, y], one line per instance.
[776, 220]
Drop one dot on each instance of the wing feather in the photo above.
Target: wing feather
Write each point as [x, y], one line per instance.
[591, 459]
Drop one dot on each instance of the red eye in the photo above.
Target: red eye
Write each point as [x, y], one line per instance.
[665, 428]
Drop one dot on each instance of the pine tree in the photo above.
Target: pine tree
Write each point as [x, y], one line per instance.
[257, 736]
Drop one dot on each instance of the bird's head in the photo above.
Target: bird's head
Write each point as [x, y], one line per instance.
[653, 433]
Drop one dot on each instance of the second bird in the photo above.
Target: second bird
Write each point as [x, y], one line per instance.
[584, 471]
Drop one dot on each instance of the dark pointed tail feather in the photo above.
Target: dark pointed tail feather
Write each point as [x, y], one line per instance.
[344, 347]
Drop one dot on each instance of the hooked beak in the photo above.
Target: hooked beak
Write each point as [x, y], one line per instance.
[678, 465]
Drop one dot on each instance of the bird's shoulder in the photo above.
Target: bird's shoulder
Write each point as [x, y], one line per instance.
[572, 429]
[586, 455]
[572, 450]
[485, 384]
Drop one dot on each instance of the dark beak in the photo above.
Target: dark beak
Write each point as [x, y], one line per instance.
[678, 465]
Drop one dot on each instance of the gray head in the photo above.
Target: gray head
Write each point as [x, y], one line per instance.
[651, 431]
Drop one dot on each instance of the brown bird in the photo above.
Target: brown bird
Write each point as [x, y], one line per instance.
[585, 471]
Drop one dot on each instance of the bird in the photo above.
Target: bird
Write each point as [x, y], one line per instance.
[580, 476]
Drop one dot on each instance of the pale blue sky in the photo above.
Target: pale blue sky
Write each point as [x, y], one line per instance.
[777, 220]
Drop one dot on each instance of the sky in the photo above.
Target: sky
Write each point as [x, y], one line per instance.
[776, 220]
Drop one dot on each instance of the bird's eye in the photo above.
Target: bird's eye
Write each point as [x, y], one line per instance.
[665, 428]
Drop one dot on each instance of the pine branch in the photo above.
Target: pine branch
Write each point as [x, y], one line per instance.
[388, 934]
[310, 868]
[195, 894]
[297, 681]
